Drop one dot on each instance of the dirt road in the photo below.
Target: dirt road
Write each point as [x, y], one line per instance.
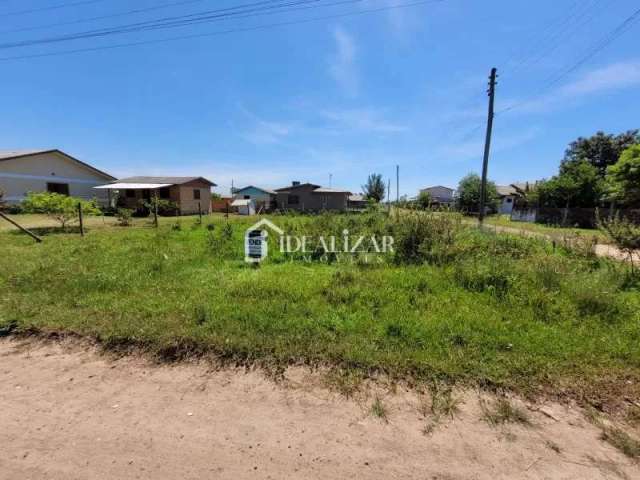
[70, 413]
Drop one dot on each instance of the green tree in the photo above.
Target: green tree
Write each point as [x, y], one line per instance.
[374, 189]
[577, 185]
[600, 150]
[624, 233]
[469, 193]
[623, 178]
[61, 208]
[424, 200]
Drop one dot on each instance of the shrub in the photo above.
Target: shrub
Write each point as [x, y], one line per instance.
[124, 216]
[624, 233]
[166, 208]
[421, 237]
[484, 275]
[61, 208]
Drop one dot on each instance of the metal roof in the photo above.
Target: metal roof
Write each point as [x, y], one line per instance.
[11, 154]
[167, 180]
[133, 186]
[330, 190]
[241, 202]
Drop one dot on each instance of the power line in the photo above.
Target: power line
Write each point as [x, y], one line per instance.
[102, 17]
[625, 25]
[166, 22]
[221, 32]
[51, 7]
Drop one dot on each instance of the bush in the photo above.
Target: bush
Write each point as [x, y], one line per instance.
[124, 216]
[61, 208]
[421, 237]
[624, 233]
[166, 208]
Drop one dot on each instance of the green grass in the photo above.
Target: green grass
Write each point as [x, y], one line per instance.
[551, 230]
[456, 304]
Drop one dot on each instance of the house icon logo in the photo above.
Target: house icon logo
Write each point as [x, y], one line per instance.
[256, 247]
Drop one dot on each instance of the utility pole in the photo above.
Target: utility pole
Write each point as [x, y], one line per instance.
[397, 183]
[232, 189]
[389, 193]
[487, 143]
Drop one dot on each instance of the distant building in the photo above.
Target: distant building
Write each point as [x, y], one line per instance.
[440, 195]
[310, 197]
[190, 194]
[508, 195]
[263, 198]
[357, 202]
[48, 171]
[244, 206]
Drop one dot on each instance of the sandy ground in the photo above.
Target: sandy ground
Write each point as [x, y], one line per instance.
[68, 412]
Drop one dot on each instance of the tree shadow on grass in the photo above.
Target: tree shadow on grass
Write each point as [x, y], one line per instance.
[43, 231]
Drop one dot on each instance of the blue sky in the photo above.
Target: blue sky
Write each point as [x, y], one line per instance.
[345, 96]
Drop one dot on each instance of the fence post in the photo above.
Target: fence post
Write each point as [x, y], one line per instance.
[200, 211]
[28, 232]
[155, 210]
[81, 219]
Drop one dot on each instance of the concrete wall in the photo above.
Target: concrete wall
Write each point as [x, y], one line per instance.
[32, 173]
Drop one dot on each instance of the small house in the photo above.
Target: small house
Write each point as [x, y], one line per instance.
[189, 194]
[312, 198]
[263, 198]
[440, 196]
[243, 206]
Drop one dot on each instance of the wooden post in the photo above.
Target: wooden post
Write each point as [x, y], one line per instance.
[200, 212]
[487, 144]
[155, 209]
[226, 215]
[81, 219]
[31, 234]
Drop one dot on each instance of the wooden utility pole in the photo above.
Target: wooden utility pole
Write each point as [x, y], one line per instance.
[155, 209]
[487, 143]
[389, 193]
[397, 183]
[28, 232]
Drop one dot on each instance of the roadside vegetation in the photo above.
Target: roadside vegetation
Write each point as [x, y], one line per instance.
[452, 304]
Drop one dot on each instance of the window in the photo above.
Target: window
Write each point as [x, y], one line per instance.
[247, 197]
[130, 193]
[61, 188]
[509, 200]
[293, 200]
[196, 194]
[165, 193]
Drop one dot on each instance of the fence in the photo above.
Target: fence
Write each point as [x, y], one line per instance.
[572, 217]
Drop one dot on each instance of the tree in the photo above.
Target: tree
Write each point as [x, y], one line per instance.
[600, 150]
[624, 233]
[374, 189]
[577, 185]
[469, 193]
[424, 200]
[623, 178]
[62, 208]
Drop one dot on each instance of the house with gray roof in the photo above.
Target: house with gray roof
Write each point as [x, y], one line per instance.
[308, 197]
[189, 194]
[48, 170]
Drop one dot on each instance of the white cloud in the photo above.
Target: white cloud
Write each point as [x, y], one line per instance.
[362, 119]
[474, 149]
[616, 76]
[263, 131]
[342, 63]
[612, 77]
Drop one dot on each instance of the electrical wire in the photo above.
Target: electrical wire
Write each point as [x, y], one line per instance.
[222, 32]
[51, 7]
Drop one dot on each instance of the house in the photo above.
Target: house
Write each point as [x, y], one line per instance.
[221, 204]
[310, 197]
[263, 198]
[358, 202]
[190, 194]
[508, 195]
[48, 171]
[244, 206]
[440, 195]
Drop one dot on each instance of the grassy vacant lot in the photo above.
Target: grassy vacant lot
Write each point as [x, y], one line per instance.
[451, 304]
[550, 230]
